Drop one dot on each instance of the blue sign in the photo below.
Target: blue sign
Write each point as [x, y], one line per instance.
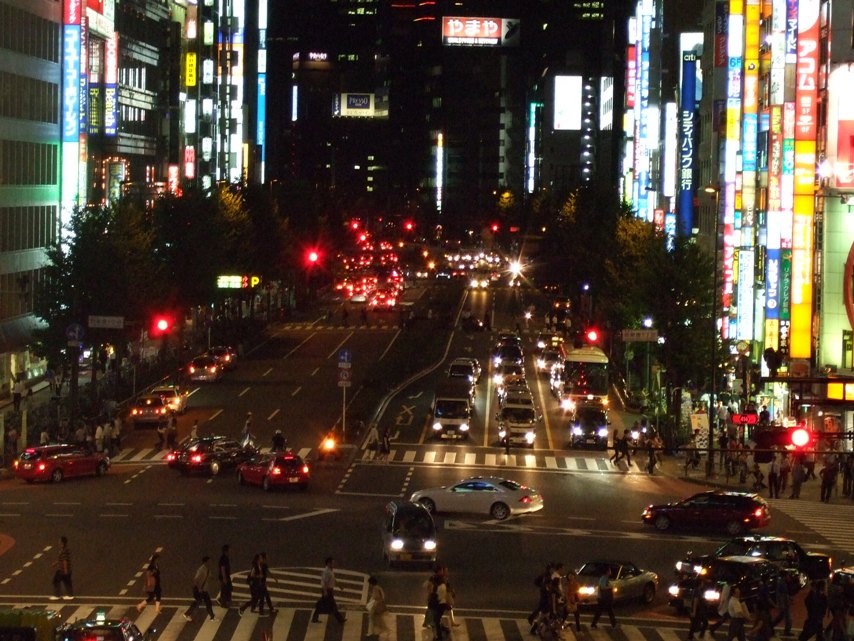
[75, 332]
[71, 83]
[345, 356]
[358, 101]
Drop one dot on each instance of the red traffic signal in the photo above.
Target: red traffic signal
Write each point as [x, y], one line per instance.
[312, 257]
[161, 324]
[494, 228]
[800, 437]
[409, 225]
[592, 335]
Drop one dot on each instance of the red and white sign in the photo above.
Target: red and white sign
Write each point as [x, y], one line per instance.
[492, 32]
[745, 419]
[840, 123]
[806, 73]
[72, 11]
[189, 162]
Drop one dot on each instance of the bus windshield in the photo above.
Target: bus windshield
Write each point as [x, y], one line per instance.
[585, 378]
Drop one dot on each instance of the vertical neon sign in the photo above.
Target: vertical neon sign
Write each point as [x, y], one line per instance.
[72, 10]
[806, 111]
[687, 140]
[111, 76]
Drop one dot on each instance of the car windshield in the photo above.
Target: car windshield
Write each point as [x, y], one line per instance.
[735, 547]
[92, 634]
[596, 569]
[452, 409]
[518, 414]
[413, 523]
[512, 370]
[31, 455]
[289, 463]
[591, 419]
[510, 351]
[461, 371]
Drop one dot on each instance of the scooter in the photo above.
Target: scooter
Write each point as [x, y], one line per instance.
[329, 447]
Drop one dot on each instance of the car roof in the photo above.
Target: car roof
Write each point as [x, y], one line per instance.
[149, 398]
[752, 560]
[164, 390]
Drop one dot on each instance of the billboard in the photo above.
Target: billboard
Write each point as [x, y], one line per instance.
[840, 124]
[480, 32]
[687, 141]
[111, 76]
[567, 103]
[356, 105]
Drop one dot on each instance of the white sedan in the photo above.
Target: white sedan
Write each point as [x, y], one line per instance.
[492, 495]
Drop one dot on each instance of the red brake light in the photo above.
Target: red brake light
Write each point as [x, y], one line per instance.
[170, 456]
[759, 511]
[17, 462]
[305, 469]
[213, 369]
[228, 357]
[276, 471]
[525, 499]
[197, 458]
[41, 467]
[191, 369]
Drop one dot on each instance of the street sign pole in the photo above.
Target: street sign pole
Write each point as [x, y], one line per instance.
[345, 360]
[343, 414]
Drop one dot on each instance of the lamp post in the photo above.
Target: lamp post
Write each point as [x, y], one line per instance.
[710, 464]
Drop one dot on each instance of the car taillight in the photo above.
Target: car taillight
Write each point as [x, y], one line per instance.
[134, 412]
[42, 467]
[16, 464]
[213, 369]
[305, 469]
[228, 357]
[276, 471]
[525, 499]
[196, 458]
[760, 511]
[171, 456]
[191, 369]
[162, 410]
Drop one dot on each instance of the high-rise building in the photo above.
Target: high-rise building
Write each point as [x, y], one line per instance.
[31, 56]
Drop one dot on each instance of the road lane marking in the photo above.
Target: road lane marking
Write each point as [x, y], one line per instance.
[296, 391]
[171, 504]
[59, 514]
[388, 347]
[406, 481]
[275, 411]
[316, 370]
[115, 504]
[545, 415]
[340, 345]
[307, 338]
[168, 516]
[307, 515]
[222, 517]
[215, 414]
[244, 391]
[114, 516]
[66, 502]
[409, 456]
[267, 372]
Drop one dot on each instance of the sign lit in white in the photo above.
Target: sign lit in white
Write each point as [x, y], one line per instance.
[71, 83]
[567, 103]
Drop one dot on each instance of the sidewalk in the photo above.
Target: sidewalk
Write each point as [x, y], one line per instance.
[674, 466]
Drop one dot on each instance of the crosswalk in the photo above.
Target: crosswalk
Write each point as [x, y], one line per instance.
[436, 456]
[546, 460]
[294, 624]
[830, 520]
[156, 455]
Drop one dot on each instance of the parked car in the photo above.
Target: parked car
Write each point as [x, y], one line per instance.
[209, 454]
[283, 469]
[492, 495]
[408, 533]
[734, 512]
[628, 580]
[57, 462]
[151, 409]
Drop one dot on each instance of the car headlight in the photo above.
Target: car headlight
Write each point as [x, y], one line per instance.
[567, 404]
[679, 565]
[464, 427]
[484, 283]
[498, 379]
[586, 590]
[529, 437]
[397, 544]
[473, 283]
[635, 435]
[541, 363]
[673, 590]
[602, 432]
[496, 360]
[429, 545]
[576, 430]
[541, 344]
[437, 426]
[711, 595]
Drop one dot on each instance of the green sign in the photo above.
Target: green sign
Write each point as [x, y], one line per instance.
[785, 284]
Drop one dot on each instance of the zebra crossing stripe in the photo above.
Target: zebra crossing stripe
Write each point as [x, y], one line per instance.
[173, 628]
[409, 456]
[669, 634]
[632, 633]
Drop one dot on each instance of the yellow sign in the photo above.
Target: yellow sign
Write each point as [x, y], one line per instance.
[840, 391]
[190, 70]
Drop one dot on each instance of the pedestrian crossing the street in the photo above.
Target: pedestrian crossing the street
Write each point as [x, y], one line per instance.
[829, 520]
[534, 460]
[294, 624]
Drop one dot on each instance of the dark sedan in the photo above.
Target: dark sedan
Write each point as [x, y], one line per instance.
[749, 573]
[209, 454]
[589, 427]
[734, 512]
[798, 564]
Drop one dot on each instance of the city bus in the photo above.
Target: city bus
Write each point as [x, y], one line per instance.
[583, 379]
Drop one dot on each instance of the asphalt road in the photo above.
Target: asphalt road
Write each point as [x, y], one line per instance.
[290, 383]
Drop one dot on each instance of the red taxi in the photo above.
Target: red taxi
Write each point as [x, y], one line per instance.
[56, 462]
[280, 469]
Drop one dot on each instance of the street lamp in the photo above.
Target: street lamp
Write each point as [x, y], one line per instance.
[710, 464]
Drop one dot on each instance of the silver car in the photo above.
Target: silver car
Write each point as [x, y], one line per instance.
[628, 580]
[492, 495]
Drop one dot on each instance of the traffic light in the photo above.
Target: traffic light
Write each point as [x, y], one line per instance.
[409, 225]
[494, 228]
[161, 324]
[312, 257]
[800, 437]
[592, 335]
